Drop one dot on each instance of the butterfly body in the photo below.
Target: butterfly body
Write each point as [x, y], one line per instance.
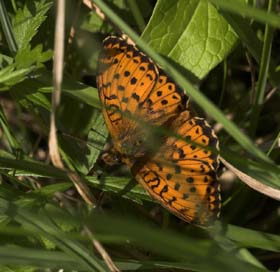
[139, 101]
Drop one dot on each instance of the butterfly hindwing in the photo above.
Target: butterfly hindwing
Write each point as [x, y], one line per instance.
[182, 175]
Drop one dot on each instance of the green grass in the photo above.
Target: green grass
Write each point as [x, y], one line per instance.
[203, 47]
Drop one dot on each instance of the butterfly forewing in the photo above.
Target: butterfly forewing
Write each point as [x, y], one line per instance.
[130, 84]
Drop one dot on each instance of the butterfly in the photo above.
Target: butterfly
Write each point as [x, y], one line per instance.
[138, 100]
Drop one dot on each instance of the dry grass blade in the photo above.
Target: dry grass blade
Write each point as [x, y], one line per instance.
[271, 93]
[57, 79]
[91, 5]
[106, 257]
[53, 146]
[82, 188]
[253, 183]
[74, 23]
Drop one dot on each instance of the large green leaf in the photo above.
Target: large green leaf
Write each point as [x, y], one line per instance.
[192, 33]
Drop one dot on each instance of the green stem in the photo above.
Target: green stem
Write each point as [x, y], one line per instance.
[224, 84]
[263, 75]
[236, 7]
[137, 14]
[273, 145]
[7, 28]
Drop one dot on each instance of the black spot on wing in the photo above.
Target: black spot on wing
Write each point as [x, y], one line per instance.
[133, 81]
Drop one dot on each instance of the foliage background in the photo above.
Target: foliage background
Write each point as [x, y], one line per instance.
[43, 218]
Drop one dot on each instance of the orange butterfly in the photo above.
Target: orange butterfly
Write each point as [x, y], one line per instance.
[137, 97]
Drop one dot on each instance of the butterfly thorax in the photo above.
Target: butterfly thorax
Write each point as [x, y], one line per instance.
[131, 146]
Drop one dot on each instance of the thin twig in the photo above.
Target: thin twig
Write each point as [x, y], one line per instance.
[253, 183]
[106, 257]
[82, 188]
[270, 93]
[100, 13]
[91, 5]
[74, 23]
[218, 126]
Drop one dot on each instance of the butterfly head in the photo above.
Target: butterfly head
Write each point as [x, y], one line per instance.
[110, 158]
[141, 143]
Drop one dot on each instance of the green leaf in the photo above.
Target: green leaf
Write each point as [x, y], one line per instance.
[7, 132]
[120, 185]
[37, 87]
[83, 135]
[7, 28]
[264, 172]
[205, 254]
[49, 190]
[75, 89]
[10, 75]
[38, 257]
[42, 225]
[5, 60]
[249, 38]
[25, 62]
[39, 99]
[251, 238]
[31, 167]
[192, 33]
[97, 138]
[231, 128]
[28, 20]
[92, 22]
[123, 186]
[73, 152]
[26, 56]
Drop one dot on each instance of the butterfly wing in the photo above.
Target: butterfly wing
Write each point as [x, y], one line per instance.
[130, 83]
[182, 175]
